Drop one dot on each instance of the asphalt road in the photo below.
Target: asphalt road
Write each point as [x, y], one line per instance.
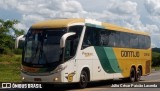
[102, 85]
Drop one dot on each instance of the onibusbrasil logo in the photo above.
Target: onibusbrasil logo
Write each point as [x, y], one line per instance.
[21, 85]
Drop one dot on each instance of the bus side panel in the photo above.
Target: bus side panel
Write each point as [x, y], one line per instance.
[84, 60]
[88, 57]
[69, 73]
[146, 56]
[133, 57]
[108, 61]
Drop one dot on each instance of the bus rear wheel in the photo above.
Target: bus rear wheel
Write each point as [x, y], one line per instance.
[132, 76]
[138, 75]
[83, 79]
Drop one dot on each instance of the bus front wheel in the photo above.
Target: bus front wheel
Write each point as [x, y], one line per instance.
[83, 79]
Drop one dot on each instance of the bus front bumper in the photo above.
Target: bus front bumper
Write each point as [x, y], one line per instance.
[51, 78]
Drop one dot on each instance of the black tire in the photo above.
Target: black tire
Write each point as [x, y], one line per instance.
[132, 76]
[138, 74]
[83, 79]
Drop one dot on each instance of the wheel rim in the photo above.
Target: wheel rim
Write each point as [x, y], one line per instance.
[83, 79]
[132, 75]
[138, 74]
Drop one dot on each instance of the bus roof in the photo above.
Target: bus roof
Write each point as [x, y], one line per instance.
[58, 23]
[119, 28]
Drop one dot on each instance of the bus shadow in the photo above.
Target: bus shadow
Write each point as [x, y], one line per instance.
[97, 84]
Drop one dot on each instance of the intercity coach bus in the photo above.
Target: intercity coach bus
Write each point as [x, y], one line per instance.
[84, 50]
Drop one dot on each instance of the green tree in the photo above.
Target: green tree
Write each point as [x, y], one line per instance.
[8, 33]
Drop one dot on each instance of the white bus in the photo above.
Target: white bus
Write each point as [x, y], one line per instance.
[83, 50]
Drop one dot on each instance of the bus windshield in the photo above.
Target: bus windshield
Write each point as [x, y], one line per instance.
[42, 46]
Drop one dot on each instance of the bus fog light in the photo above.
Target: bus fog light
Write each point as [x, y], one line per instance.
[23, 78]
[56, 79]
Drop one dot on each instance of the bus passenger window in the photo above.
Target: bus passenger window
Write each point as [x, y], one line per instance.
[142, 41]
[72, 41]
[104, 38]
[147, 42]
[124, 40]
[112, 40]
[87, 41]
[133, 41]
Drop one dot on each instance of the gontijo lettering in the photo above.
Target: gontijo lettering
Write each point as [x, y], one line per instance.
[130, 53]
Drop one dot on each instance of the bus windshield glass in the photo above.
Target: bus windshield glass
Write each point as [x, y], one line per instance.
[42, 46]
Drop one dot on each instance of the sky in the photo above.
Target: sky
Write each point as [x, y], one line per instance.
[140, 15]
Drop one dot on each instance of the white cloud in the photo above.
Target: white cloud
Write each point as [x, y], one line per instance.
[33, 17]
[155, 40]
[38, 10]
[153, 7]
[33, 10]
[71, 6]
[20, 26]
[152, 28]
[6, 4]
[127, 7]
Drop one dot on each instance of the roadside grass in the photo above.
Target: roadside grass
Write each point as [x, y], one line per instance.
[155, 54]
[10, 68]
[157, 68]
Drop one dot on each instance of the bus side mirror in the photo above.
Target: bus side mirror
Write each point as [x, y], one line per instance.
[18, 39]
[64, 37]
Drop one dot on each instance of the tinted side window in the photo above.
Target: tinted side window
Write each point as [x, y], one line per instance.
[109, 38]
[133, 41]
[104, 37]
[91, 37]
[96, 37]
[72, 42]
[124, 40]
[116, 38]
[141, 41]
[87, 41]
[77, 29]
[147, 41]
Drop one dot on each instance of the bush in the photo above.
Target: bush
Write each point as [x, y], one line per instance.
[156, 61]
[8, 51]
[18, 59]
[17, 51]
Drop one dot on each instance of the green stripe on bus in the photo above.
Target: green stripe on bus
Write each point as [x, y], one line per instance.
[107, 59]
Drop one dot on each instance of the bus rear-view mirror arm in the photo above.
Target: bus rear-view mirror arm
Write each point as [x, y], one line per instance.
[64, 37]
[17, 40]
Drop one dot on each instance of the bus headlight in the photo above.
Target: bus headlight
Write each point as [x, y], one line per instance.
[55, 79]
[59, 69]
[23, 78]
